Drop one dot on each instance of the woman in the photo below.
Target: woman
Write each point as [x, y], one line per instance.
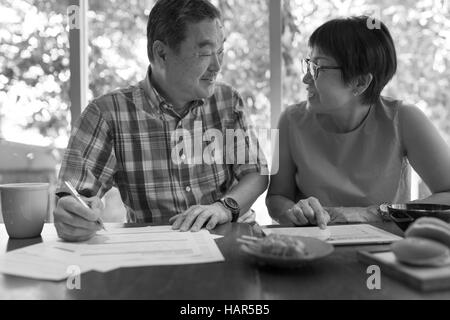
[348, 146]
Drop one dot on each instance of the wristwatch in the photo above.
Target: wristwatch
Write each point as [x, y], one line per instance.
[233, 206]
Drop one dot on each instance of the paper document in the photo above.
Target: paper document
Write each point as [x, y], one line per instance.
[112, 249]
[340, 234]
[40, 262]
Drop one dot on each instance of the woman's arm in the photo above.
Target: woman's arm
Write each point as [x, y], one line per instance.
[427, 152]
[281, 193]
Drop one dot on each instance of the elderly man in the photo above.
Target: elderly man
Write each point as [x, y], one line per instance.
[141, 138]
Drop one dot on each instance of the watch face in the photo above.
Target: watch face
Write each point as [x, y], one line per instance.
[230, 202]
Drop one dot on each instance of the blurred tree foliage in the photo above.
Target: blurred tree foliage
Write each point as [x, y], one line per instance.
[34, 69]
[118, 44]
[34, 65]
[247, 59]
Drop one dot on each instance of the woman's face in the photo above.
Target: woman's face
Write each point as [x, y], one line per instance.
[327, 93]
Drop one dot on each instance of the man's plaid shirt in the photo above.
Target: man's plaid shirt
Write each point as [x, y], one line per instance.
[130, 138]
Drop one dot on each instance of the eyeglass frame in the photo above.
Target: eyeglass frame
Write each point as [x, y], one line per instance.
[315, 74]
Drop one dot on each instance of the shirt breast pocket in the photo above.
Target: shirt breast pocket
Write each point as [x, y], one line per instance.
[213, 181]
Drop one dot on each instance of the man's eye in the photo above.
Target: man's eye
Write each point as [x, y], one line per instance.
[209, 54]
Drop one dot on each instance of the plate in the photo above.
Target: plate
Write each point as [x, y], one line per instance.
[315, 249]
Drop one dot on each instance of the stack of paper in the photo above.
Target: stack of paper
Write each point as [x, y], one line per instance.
[112, 249]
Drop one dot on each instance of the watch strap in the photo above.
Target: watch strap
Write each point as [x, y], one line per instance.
[234, 210]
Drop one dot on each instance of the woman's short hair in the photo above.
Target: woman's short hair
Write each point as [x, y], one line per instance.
[168, 20]
[359, 47]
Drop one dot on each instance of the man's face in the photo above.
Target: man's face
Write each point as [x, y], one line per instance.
[191, 73]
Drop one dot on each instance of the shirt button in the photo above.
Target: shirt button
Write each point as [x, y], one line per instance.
[188, 189]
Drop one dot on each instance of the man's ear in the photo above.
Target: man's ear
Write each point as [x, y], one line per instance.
[159, 51]
[361, 83]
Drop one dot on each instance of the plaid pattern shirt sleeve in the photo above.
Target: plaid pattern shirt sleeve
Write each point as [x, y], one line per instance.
[89, 162]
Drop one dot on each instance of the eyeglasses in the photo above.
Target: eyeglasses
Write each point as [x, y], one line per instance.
[313, 69]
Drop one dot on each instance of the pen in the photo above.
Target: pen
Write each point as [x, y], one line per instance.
[80, 200]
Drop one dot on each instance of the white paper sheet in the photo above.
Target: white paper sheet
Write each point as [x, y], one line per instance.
[111, 249]
[39, 262]
[340, 234]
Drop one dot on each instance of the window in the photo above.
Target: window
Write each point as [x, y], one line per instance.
[34, 72]
[246, 67]
[117, 44]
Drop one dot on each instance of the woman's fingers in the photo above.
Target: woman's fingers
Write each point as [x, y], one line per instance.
[321, 216]
[307, 210]
[296, 216]
[312, 211]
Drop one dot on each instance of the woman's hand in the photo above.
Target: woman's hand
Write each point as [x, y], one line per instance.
[308, 211]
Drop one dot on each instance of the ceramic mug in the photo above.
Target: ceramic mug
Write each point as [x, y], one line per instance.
[24, 207]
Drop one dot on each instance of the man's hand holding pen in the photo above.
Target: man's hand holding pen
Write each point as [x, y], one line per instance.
[75, 222]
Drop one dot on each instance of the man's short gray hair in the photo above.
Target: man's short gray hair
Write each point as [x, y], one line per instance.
[168, 21]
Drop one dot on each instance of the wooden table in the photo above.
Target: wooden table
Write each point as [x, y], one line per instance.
[338, 276]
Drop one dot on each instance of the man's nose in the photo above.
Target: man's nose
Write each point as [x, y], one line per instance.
[215, 62]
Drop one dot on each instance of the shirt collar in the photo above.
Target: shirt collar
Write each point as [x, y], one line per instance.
[158, 101]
